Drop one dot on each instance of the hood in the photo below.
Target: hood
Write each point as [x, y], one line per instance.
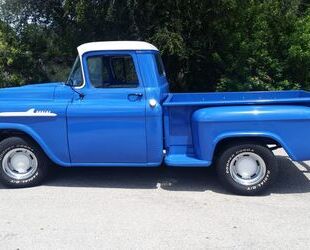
[40, 91]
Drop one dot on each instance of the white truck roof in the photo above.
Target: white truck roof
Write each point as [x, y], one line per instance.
[115, 45]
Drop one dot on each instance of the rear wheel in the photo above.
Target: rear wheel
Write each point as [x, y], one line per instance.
[22, 163]
[247, 169]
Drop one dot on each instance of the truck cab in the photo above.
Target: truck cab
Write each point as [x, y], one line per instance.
[122, 85]
[115, 109]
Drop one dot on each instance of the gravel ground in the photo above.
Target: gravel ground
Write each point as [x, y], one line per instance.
[162, 208]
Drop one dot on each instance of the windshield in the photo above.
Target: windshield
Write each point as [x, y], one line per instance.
[75, 78]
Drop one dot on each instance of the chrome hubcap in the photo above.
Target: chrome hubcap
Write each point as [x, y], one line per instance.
[20, 163]
[247, 168]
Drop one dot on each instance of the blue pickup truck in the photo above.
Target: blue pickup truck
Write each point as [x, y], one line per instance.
[116, 110]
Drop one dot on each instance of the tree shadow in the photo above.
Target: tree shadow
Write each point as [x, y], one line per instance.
[180, 179]
[291, 179]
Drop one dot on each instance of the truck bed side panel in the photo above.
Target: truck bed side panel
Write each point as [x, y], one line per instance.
[288, 125]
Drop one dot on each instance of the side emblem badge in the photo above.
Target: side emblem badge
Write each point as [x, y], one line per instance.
[29, 113]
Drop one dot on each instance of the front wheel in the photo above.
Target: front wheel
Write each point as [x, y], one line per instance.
[22, 163]
[247, 169]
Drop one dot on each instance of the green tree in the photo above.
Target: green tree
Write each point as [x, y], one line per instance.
[17, 65]
[206, 45]
[298, 61]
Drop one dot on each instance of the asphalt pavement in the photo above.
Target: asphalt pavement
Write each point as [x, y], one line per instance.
[162, 208]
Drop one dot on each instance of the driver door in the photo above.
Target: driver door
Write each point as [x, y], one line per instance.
[107, 126]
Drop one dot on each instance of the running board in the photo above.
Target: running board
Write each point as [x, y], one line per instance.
[184, 160]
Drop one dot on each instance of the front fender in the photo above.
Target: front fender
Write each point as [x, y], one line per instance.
[49, 151]
[288, 125]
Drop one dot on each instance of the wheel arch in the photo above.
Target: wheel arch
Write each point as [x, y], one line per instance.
[225, 141]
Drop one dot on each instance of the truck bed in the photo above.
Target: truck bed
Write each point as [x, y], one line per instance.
[238, 98]
[178, 120]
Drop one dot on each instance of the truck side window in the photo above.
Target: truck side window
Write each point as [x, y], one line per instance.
[98, 72]
[112, 72]
[160, 65]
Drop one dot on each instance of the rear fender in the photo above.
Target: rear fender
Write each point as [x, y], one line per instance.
[287, 125]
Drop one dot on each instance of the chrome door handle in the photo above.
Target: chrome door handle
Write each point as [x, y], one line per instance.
[135, 96]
